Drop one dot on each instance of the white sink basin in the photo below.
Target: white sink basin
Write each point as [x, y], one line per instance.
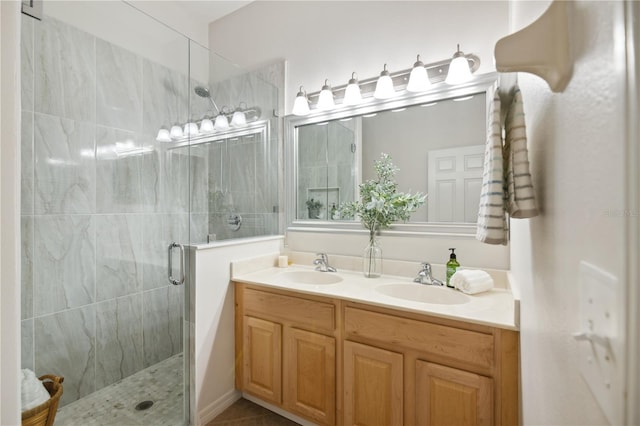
[423, 293]
[308, 277]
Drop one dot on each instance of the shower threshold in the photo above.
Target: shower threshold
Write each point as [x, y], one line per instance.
[116, 404]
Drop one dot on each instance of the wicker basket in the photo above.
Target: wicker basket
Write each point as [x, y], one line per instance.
[45, 413]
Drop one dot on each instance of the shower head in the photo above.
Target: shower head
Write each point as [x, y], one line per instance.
[203, 92]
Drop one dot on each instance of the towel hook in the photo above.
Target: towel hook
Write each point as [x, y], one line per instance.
[542, 48]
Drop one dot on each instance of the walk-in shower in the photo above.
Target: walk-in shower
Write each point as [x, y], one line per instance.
[103, 199]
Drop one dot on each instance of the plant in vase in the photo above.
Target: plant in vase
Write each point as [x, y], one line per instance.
[380, 205]
[313, 208]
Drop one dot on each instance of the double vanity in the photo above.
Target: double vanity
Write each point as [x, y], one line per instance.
[338, 348]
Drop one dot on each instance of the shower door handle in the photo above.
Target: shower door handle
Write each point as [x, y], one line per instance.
[182, 264]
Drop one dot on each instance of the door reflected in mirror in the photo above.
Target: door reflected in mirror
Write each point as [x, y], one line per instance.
[437, 146]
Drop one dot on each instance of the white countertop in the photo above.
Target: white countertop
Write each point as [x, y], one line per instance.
[496, 308]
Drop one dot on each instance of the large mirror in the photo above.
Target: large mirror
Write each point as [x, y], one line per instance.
[436, 139]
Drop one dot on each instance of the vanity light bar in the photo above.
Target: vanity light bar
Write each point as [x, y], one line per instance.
[248, 131]
[436, 72]
[225, 121]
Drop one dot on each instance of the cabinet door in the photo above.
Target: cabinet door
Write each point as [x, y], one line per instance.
[447, 396]
[373, 386]
[262, 354]
[310, 375]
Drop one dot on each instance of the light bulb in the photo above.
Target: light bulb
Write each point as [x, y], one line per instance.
[325, 100]
[176, 132]
[384, 86]
[163, 136]
[206, 126]
[301, 104]
[238, 119]
[418, 79]
[352, 95]
[222, 122]
[459, 71]
[191, 129]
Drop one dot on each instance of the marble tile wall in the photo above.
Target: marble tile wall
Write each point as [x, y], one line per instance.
[64, 71]
[325, 160]
[122, 356]
[96, 221]
[244, 172]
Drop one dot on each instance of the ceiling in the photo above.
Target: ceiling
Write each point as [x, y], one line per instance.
[209, 11]
[188, 17]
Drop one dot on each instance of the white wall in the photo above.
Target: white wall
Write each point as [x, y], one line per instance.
[214, 306]
[320, 39]
[331, 39]
[577, 149]
[9, 212]
[178, 17]
[433, 249]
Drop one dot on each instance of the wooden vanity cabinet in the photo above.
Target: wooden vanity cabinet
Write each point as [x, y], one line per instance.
[286, 351]
[373, 386]
[262, 349]
[454, 373]
[310, 376]
[449, 396]
[347, 363]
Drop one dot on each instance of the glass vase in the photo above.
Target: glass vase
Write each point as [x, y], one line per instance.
[372, 259]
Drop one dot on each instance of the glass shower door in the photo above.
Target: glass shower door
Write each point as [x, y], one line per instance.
[103, 197]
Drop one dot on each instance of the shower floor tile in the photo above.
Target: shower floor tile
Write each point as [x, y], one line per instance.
[115, 405]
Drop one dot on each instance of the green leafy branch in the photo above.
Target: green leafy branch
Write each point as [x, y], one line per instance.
[380, 204]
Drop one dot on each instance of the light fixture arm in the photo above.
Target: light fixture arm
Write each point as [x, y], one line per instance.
[458, 52]
[217, 110]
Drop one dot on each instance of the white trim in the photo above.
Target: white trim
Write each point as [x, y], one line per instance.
[235, 242]
[10, 212]
[632, 408]
[458, 231]
[212, 410]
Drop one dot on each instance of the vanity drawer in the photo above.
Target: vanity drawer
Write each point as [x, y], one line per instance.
[469, 347]
[298, 311]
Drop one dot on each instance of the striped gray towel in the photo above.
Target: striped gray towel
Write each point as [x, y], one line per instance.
[521, 201]
[492, 222]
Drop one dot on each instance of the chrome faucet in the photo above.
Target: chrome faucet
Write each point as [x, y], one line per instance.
[425, 277]
[322, 263]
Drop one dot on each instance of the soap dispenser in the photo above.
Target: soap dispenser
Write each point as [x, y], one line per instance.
[452, 265]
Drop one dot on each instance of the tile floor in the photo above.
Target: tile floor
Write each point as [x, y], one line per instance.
[115, 404]
[162, 384]
[246, 413]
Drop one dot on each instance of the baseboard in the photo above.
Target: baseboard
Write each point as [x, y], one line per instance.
[210, 412]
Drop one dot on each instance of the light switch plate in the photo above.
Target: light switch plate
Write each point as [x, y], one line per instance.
[598, 316]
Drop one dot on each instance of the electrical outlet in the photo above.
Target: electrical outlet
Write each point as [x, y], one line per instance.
[599, 323]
